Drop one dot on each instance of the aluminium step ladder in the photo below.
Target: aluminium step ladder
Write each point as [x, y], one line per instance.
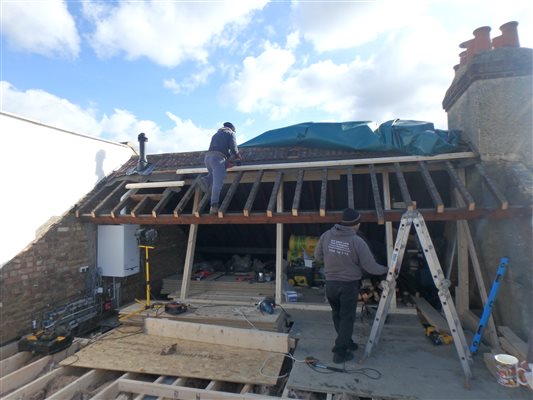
[408, 219]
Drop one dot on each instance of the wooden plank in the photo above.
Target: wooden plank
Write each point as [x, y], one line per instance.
[431, 315]
[519, 347]
[86, 203]
[189, 260]
[39, 384]
[458, 183]
[406, 196]
[197, 210]
[23, 375]
[139, 207]
[297, 192]
[377, 198]
[14, 362]
[142, 353]
[323, 191]
[279, 250]
[273, 195]
[247, 388]
[167, 195]
[92, 378]
[110, 390]
[490, 329]
[430, 185]
[253, 193]
[229, 195]
[349, 184]
[332, 163]
[186, 197]
[149, 196]
[122, 203]
[113, 194]
[182, 392]
[462, 292]
[504, 204]
[163, 184]
[490, 363]
[219, 335]
[8, 350]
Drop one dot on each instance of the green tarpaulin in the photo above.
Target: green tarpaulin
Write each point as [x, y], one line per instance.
[409, 137]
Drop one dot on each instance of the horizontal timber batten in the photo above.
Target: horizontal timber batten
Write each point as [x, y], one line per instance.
[449, 214]
[331, 163]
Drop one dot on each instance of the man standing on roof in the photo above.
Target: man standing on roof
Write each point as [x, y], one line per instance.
[345, 255]
[223, 147]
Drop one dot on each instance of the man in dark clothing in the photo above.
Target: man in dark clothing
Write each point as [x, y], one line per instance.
[345, 256]
[223, 146]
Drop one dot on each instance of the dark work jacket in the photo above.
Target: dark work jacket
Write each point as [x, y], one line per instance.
[224, 142]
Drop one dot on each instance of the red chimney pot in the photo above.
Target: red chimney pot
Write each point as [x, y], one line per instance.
[510, 34]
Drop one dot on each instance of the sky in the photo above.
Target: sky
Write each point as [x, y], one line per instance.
[177, 70]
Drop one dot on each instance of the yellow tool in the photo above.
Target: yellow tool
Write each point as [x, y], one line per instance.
[147, 262]
[437, 337]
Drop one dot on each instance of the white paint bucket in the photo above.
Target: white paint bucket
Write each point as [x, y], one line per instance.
[506, 365]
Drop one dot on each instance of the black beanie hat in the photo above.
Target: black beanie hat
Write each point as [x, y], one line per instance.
[350, 217]
[229, 125]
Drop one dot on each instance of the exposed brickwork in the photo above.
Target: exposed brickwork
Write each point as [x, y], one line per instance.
[44, 275]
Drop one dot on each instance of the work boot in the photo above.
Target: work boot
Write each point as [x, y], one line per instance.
[342, 358]
[214, 209]
[351, 347]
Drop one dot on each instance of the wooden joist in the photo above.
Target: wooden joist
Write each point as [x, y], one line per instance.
[253, 193]
[349, 185]
[229, 195]
[458, 183]
[377, 197]
[186, 197]
[139, 207]
[504, 204]
[323, 191]
[167, 195]
[202, 204]
[430, 185]
[406, 197]
[297, 192]
[114, 193]
[512, 344]
[274, 194]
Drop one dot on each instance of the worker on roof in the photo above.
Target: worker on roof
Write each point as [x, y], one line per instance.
[222, 149]
[345, 256]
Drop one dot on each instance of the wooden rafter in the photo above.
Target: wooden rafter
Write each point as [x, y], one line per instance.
[139, 207]
[253, 193]
[377, 197]
[186, 197]
[458, 183]
[349, 185]
[167, 195]
[229, 195]
[273, 195]
[297, 192]
[504, 204]
[123, 202]
[203, 202]
[430, 185]
[109, 197]
[323, 192]
[406, 197]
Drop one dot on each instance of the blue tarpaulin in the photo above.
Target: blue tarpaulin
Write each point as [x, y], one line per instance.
[409, 137]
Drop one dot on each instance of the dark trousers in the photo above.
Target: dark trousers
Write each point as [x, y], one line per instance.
[342, 297]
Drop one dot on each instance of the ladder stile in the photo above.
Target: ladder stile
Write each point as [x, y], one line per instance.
[408, 219]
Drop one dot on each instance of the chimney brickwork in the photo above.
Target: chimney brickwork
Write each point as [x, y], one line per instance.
[491, 102]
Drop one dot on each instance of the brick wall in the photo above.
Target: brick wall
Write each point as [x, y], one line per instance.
[45, 275]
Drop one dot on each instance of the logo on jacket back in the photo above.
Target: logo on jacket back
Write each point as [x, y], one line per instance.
[339, 247]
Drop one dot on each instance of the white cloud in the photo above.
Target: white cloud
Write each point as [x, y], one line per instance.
[166, 32]
[332, 25]
[190, 83]
[120, 126]
[45, 28]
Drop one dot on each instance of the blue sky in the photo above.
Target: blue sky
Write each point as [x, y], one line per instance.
[177, 70]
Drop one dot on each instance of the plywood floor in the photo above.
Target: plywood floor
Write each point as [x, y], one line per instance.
[128, 349]
[411, 366]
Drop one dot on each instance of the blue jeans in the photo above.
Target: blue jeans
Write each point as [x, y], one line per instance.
[216, 171]
[342, 297]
